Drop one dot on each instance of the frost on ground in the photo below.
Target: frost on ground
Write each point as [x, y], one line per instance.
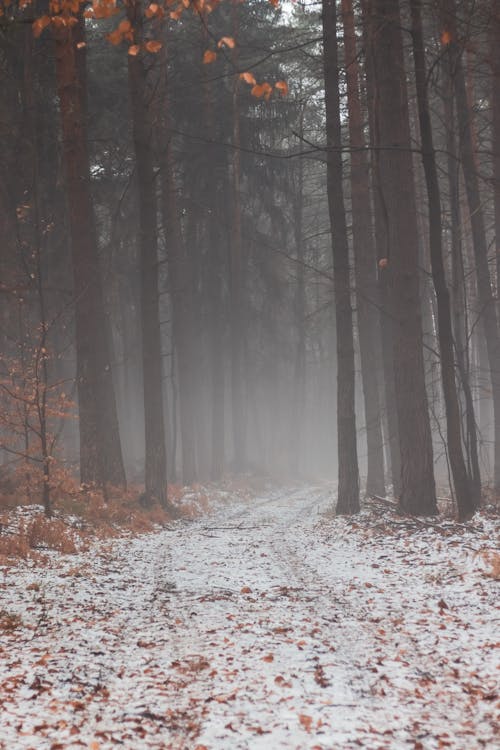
[264, 625]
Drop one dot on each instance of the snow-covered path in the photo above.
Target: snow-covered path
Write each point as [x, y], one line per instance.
[260, 626]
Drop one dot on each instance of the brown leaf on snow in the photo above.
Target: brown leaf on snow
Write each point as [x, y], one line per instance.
[306, 721]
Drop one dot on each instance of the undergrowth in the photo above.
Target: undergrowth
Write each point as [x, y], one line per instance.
[83, 513]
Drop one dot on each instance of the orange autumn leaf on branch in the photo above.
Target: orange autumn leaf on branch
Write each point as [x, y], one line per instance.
[134, 50]
[209, 57]
[262, 90]
[152, 10]
[102, 9]
[282, 87]
[226, 41]
[248, 78]
[40, 24]
[153, 46]
[176, 14]
[445, 37]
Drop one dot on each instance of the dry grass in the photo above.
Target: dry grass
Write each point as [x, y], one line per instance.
[82, 513]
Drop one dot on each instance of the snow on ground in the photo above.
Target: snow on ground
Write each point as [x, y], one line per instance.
[262, 626]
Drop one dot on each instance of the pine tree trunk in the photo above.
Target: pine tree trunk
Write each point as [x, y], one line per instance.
[348, 488]
[465, 499]
[364, 264]
[495, 103]
[418, 494]
[381, 244]
[238, 396]
[460, 328]
[100, 450]
[155, 472]
[479, 240]
[182, 313]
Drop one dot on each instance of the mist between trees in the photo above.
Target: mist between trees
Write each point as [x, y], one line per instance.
[242, 237]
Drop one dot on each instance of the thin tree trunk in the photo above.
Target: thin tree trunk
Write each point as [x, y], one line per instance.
[479, 241]
[418, 494]
[459, 311]
[237, 332]
[155, 472]
[215, 191]
[495, 136]
[182, 310]
[465, 499]
[100, 450]
[364, 264]
[348, 488]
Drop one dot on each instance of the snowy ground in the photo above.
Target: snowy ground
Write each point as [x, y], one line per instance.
[261, 626]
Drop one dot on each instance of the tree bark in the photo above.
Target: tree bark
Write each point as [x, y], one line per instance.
[381, 245]
[418, 494]
[479, 240]
[348, 487]
[364, 264]
[465, 498]
[100, 449]
[155, 470]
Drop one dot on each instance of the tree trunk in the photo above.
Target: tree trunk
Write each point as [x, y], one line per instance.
[364, 264]
[182, 311]
[381, 244]
[495, 137]
[479, 240]
[418, 494]
[155, 472]
[348, 488]
[237, 332]
[100, 450]
[465, 499]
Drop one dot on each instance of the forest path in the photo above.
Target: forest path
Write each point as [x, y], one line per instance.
[260, 626]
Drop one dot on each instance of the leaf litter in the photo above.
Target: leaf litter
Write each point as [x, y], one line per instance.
[265, 624]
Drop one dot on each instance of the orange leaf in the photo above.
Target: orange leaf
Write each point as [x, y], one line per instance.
[306, 721]
[248, 78]
[209, 57]
[115, 37]
[124, 26]
[226, 41]
[246, 590]
[274, 3]
[258, 90]
[445, 37]
[153, 46]
[152, 10]
[268, 90]
[176, 14]
[134, 50]
[40, 24]
[268, 658]
[282, 87]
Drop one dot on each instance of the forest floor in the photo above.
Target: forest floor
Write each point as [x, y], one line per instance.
[264, 624]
